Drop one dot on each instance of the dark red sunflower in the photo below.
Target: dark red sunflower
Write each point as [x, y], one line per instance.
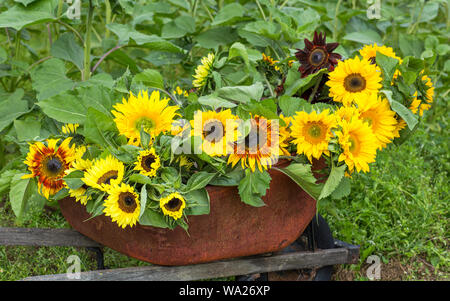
[317, 55]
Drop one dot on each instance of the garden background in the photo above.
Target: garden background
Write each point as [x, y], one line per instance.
[398, 211]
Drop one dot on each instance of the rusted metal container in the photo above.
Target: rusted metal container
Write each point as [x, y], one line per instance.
[232, 229]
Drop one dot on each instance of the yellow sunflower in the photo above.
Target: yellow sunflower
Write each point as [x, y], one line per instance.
[353, 79]
[285, 134]
[377, 113]
[103, 173]
[425, 102]
[400, 125]
[148, 162]
[48, 164]
[152, 113]
[80, 193]
[369, 52]
[260, 147]
[173, 205]
[359, 144]
[312, 133]
[217, 130]
[203, 71]
[69, 128]
[347, 113]
[270, 61]
[122, 205]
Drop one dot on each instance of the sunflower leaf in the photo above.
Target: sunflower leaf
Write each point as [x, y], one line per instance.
[388, 66]
[333, 181]
[253, 187]
[198, 180]
[73, 180]
[153, 218]
[303, 176]
[198, 202]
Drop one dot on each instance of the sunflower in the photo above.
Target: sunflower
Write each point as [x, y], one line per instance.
[347, 113]
[359, 144]
[122, 205]
[260, 147]
[203, 71]
[103, 173]
[425, 102]
[400, 125]
[217, 130]
[377, 113]
[148, 162]
[69, 128]
[153, 114]
[317, 55]
[179, 91]
[312, 132]
[48, 163]
[173, 205]
[353, 79]
[80, 193]
[285, 134]
[270, 62]
[369, 52]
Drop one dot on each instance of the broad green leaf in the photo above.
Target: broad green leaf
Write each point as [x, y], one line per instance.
[20, 16]
[215, 102]
[150, 78]
[303, 176]
[49, 79]
[388, 66]
[295, 83]
[21, 190]
[10, 109]
[239, 49]
[66, 48]
[6, 178]
[253, 186]
[27, 129]
[231, 178]
[199, 180]
[364, 37]
[229, 13]
[97, 126]
[333, 181]
[406, 114]
[73, 180]
[242, 94]
[153, 218]
[66, 108]
[214, 37]
[198, 201]
[25, 2]
[291, 105]
[343, 189]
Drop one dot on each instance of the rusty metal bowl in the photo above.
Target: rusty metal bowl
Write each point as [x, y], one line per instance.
[232, 229]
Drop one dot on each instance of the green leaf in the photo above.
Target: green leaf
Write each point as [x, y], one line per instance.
[198, 201]
[364, 37]
[215, 102]
[254, 186]
[239, 49]
[66, 48]
[388, 66]
[150, 78]
[96, 126]
[333, 181]
[213, 38]
[242, 94]
[303, 176]
[20, 16]
[143, 200]
[295, 83]
[199, 180]
[231, 178]
[153, 218]
[343, 189]
[49, 79]
[228, 14]
[21, 190]
[290, 105]
[73, 180]
[10, 109]
[406, 114]
[27, 129]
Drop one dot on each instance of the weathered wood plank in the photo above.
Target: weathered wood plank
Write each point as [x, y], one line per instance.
[44, 237]
[226, 268]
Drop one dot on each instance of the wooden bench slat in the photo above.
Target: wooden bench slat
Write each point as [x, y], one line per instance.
[226, 268]
[44, 237]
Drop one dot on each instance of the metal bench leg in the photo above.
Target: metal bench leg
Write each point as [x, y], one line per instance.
[100, 258]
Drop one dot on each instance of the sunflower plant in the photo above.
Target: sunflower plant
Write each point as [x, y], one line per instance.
[137, 125]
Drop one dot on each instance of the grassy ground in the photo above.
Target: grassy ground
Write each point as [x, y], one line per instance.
[398, 211]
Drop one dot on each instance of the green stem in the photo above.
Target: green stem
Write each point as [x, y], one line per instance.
[72, 30]
[58, 14]
[17, 48]
[108, 17]
[335, 32]
[269, 86]
[311, 97]
[87, 47]
[207, 11]
[261, 10]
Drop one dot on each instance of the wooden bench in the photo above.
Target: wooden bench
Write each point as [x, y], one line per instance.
[343, 253]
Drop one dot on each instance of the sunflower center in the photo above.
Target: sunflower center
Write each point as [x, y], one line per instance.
[146, 123]
[54, 166]
[147, 162]
[354, 145]
[315, 132]
[127, 202]
[354, 83]
[174, 204]
[107, 177]
[317, 57]
[213, 131]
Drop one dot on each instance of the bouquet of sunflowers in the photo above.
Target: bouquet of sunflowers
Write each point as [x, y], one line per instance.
[144, 153]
